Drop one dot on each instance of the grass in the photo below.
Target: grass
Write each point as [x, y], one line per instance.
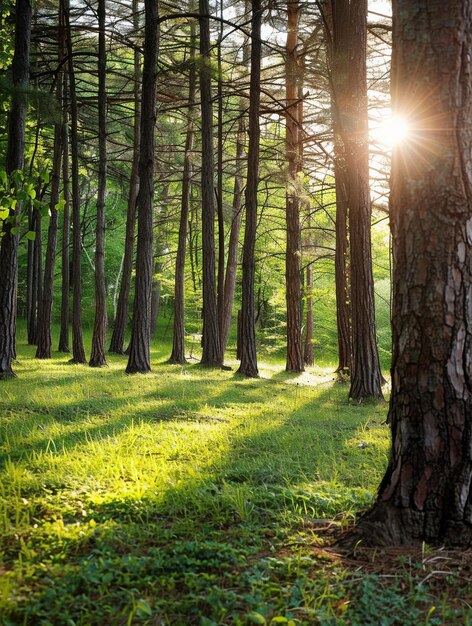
[194, 496]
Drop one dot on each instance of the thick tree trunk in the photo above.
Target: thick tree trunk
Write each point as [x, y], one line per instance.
[139, 350]
[247, 336]
[97, 356]
[211, 347]
[78, 352]
[426, 492]
[178, 342]
[121, 317]
[293, 251]
[65, 283]
[14, 161]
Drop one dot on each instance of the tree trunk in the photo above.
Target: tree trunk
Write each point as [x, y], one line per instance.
[211, 347]
[65, 283]
[14, 161]
[178, 342]
[44, 339]
[139, 350]
[247, 335]
[293, 251]
[426, 492]
[233, 245]
[97, 356]
[78, 352]
[34, 271]
[219, 186]
[121, 317]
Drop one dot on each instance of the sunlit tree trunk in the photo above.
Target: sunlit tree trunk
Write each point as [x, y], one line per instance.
[65, 256]
[426, 493]
[14, 161]
[211, 347]
[293, 251]
[139, 352]
[366, 377]
[247, 332]
[97, 356]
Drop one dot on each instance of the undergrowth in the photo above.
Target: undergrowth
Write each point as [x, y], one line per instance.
[191, 496]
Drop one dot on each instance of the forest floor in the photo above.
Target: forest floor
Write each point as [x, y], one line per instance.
[196, 496]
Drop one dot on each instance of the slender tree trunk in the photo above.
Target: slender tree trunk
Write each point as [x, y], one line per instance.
[247, 339]
[14, 161]
[121, 317]
[34, 276]
[97, 356]
[78, 352]
[366, 377]
[293, 252]
[233, 245]
[426, 492]
[44, 339]
[139, 350]
[178, 343]
[211, 347]
[65, 283]
[219, 188]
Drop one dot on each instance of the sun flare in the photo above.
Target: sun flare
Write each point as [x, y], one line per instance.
[391, 131]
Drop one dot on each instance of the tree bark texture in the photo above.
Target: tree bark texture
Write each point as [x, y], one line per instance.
[139, 350]
[14, 161]
[366, 377]
[121, 318]
[293, 251]
[211, 347]
[426, 492]
[178, 340]
[97, 356]
[247, 334]
[33, 276]
[78, 351]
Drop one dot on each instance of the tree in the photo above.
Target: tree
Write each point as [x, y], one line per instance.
[97, 356]
[14, 162]
[78, 351]
[293, 252]
[121, 318]
[211, 346]
[426, 491]
[139, 352]
[178, 342]
[247, 335]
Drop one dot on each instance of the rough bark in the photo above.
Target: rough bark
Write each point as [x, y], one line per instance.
[178, 340]
[366, 377]
[14, 161]
[121, 317]
[97, 356]
[426, 492]
[293, 249]
[78, 352]
[139, 350]
[219, 186]
[247, 334]
[211, 347]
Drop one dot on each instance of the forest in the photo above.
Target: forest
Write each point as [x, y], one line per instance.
[235, 312]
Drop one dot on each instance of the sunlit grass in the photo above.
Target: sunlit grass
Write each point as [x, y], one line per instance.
[167, 498]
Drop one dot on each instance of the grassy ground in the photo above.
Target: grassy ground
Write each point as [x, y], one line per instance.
[192, 496]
